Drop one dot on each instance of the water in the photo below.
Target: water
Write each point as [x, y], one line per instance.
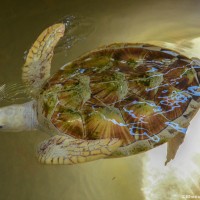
[174, 24]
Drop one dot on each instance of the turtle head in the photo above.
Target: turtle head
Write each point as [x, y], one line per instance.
[18, 117]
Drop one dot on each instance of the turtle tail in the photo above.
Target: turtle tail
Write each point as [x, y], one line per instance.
[38, 61]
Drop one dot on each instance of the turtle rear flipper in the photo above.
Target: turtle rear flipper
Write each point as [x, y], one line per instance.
[173, 146]
[38, 62]
[64, 150]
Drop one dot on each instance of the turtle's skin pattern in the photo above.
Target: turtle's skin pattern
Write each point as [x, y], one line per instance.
[140, 93]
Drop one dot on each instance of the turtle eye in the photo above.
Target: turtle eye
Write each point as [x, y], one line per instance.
[1, 127]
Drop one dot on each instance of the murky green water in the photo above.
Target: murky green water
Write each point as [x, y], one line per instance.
[171, 23]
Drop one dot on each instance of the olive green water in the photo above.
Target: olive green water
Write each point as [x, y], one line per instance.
[21, 176]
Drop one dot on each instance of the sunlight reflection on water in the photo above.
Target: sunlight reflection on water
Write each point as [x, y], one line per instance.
[182, 175]
[171, 24]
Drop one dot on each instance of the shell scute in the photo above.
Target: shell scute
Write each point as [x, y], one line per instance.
[75, 92]
[108, 88]
[68, 121]
[108, 124]
[172, 101]
[140, 115]
[146, 85]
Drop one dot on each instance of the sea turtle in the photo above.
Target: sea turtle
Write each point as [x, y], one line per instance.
[118, 100]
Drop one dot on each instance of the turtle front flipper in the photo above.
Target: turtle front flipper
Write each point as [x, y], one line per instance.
[173, 146]
[38, 62]
[65, 150]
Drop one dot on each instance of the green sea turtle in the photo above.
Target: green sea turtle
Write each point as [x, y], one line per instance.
[118, 100]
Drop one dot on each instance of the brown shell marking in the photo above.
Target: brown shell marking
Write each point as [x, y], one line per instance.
[179, 75]
[68, 121]
[120, 91]
[108, 88]
[172, 101]
[140, 117]
[106, 122]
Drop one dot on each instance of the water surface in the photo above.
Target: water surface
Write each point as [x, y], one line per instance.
[174, 24]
